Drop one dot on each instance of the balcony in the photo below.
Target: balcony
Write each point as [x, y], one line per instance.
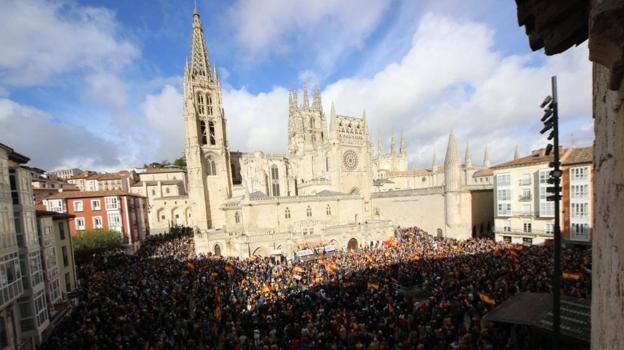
[524, 182]
[524, 198]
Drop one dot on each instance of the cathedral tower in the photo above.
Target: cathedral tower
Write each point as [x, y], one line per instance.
[207, 154]
[457, 204]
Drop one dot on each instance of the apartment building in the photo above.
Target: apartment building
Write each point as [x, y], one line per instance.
[11, 287]
[90, 181]
[577, 196]
[521, 212]
[113, 210]
[64, 174]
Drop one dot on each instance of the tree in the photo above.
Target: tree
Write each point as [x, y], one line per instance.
[180, 162]
[95, 242]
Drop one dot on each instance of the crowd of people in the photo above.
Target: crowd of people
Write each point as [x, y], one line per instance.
[415, 292]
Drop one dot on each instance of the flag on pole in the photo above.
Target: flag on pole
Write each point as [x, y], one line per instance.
[487, 299]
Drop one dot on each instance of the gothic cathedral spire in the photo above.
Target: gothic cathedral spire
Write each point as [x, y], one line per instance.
[200, 64]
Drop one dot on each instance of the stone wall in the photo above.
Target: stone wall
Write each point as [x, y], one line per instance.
[608, 238]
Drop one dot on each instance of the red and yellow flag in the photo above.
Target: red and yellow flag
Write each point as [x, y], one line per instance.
[571, 276]
[487, 299]
[373, 285]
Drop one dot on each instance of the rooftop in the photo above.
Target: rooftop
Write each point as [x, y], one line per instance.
[579, 155]
[90, 194]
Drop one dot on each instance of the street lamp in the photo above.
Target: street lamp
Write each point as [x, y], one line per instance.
[551, 123]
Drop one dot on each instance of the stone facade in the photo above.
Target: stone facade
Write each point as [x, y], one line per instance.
[330, 189]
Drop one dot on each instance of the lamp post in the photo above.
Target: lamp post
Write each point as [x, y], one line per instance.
[551, 122]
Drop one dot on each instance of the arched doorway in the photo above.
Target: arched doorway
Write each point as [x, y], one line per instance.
[217, 250]
[352, 246]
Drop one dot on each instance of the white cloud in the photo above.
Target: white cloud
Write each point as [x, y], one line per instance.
[108, 88]
[42, 39]
[451, 78]
[163, 112]
[51, 144]
[328, 28]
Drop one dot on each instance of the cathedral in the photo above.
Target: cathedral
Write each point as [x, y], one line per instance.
[331, 189]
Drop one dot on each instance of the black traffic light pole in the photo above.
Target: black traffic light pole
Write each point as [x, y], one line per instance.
[551, 121]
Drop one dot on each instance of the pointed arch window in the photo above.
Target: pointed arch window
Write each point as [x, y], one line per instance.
[326, 161]
[275, 181]
[312, 122]
[237, 217]
[309, 212]
[209, 103]
[202, 131]
[328, 210]
[200, 103]
[211, 168]
[287, 213]
[211, 130]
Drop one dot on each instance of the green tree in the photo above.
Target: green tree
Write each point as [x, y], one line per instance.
[89, 243]
[180, 162]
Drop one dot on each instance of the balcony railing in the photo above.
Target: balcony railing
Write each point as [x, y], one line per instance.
[525, 182]
[524, 198]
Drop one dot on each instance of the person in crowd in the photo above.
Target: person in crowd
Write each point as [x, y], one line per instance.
[412, 292]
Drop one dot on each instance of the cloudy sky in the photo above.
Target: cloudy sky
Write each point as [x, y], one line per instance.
[97, 84]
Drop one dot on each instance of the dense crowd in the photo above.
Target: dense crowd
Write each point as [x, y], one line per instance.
[414, 292]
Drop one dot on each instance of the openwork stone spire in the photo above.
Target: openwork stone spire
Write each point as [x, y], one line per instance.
[200, 64]
[316, 100]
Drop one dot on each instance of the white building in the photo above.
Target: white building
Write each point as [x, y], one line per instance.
[321, 192]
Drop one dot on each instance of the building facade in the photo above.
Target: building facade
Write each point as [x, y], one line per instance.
[522, 213]
[114, 210]
[323, 190]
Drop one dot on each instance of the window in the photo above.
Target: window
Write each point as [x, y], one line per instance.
[504, 209]
[287, 213]
[309, 211]
[209, 100]
[211, 129]
[67, 282]
[114, 221]
[503, 194]
[526, 209]
[65, 256]
[77, 205]
[237, 217]
[579, 191]
[275, 181]
[200, 103]
[153, 192]
[202, 132]
[503, 179]
[550, 229]
[526, 194]
[507, 226]
[112, 203]
[167, 190]
[211, 167]
[95, 204]
[328, 210]
[579, 232]
[507, 239]
[97, 222]
[41, 308]
[61, 230]
[547, 209]
[525, 179]
[527, 227]
[80, 223]
[579, 173]
[579, 210]
[162, 217]
[326, 162]
[527, 241]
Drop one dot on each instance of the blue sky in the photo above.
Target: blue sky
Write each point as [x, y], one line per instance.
[97, 84]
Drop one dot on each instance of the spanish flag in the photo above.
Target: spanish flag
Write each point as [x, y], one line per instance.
[571, 276]
[190, 266]
[373, 285]
[487, 299]
[267, 289]
[299, 269]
